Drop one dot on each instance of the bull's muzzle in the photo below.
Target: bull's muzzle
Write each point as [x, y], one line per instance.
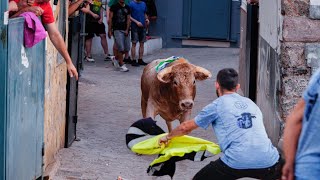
[186, 104]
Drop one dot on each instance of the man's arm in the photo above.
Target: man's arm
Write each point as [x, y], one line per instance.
[183, 129]
[110, 24]
[147, 19]
[74, 6]
[87, 11]
[101, 15]
[59, 44]
[139, 24]
[128, 24]
[290, 139]
[34, 9]
[12, 6]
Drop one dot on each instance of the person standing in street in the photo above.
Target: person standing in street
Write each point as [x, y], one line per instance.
[95, 26]
[139, 22]
[119, 24]
[238, 124]
[301, 144]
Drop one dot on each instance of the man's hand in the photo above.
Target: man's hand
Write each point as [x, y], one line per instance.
[38, 11]
[30, 2]
[139, 24]
[96, 16]
[126, 33]
[164, 140]
[72, 71]
[109, 34]
[287, 172]
[147, 22]
[100, 21]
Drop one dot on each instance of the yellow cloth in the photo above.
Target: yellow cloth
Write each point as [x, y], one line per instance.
[178, 146]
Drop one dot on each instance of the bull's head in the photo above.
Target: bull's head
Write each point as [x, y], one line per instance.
[182, 78]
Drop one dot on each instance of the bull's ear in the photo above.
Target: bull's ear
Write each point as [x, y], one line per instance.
[201, 73]
[165, 75]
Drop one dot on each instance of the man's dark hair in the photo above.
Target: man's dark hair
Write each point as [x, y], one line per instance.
[228, 78]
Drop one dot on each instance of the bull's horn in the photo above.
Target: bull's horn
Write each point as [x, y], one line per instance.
[165, 75]
[201, 73]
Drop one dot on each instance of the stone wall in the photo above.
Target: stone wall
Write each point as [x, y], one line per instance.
[55, 102]
[300, 49]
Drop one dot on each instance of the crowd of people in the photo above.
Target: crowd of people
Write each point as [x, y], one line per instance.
[123, 17]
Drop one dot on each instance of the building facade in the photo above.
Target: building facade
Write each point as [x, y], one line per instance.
[289, 51]
[191, 22]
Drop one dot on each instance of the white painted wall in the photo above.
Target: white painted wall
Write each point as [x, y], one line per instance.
[270, 19]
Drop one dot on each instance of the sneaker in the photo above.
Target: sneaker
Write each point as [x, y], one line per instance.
[141, 62]
[89, 59]
[107, 57]
[134, 63]
[123, 68]
[115, 62]
[127, 60]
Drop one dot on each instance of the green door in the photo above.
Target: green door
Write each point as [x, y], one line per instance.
[207, 19]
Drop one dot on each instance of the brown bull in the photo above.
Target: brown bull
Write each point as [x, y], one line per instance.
[170, 93]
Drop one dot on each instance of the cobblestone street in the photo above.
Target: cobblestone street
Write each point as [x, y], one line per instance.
[109, 102]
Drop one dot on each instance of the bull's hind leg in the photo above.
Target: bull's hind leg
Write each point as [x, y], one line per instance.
[143, 108]
[150, 111]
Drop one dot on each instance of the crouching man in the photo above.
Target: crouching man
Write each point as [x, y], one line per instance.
[238, 125]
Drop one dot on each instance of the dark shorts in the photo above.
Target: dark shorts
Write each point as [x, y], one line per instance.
[94, 28]
[121, 40]
[138, 34]
[219, 170]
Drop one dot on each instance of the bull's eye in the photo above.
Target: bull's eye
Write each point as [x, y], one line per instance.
[175, 82]
[194, 81]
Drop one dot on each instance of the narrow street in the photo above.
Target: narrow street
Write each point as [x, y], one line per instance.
[109, 102]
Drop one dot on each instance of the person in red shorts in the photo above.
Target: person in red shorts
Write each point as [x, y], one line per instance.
[43, 8]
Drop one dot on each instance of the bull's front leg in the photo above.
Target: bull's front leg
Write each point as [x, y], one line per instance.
[169, 125]
[185, 116]
[150, 111]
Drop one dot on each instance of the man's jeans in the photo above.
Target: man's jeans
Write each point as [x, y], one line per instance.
[219, 170]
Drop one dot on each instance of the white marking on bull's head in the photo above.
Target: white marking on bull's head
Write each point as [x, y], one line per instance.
[182, 79]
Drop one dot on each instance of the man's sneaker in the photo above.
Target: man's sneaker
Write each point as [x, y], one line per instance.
[134, 63]
[141, 62]
[115, 62]
[89, 59]
[107, 57]
[123, 68]
[127, 60]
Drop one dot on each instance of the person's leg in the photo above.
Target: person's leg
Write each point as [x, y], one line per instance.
[88, 41]
[133, 54]
[104, 43]
[88, 45]
[214, 170]
[120, 42]
[127, 58]
[141, 50]
[134, 40]
[100, 30]
[142, 40]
